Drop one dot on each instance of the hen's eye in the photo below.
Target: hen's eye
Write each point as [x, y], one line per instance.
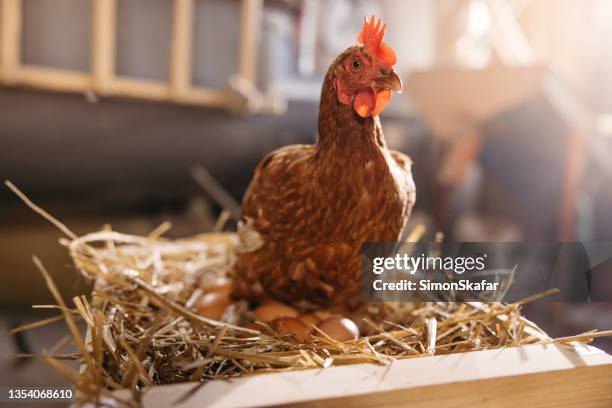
[356, 64]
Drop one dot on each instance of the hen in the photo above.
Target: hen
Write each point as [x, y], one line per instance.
[309, 207]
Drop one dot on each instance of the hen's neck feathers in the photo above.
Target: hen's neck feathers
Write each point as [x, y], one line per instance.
[339, 125]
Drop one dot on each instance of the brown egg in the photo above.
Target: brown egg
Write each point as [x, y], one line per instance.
[273, 310]
[339, 328]
[296, 327]
[212, 305]
[324, 314]
[309, 319]
[251, 326]
[220, 285]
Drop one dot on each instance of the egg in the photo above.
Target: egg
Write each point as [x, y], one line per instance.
[249, 325]
[296, 327]
[339, 328]
[273, 310]
[213, 305]
[309, 319]
[324, 314]
[219, 285]
[252, 326]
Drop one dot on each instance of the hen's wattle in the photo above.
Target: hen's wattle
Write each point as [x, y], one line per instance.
[309, 207]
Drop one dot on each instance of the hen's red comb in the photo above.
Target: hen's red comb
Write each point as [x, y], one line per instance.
[371, 37]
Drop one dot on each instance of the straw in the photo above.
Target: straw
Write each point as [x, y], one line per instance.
[143, 330]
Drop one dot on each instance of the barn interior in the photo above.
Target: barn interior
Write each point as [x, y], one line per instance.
[121, 112]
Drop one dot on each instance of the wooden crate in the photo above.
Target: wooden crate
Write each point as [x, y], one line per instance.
[530, 376]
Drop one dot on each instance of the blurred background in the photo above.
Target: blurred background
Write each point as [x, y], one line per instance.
[107, 105]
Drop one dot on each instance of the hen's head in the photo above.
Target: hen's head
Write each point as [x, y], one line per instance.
[365, 75]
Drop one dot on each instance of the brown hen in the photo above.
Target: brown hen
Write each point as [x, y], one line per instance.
[309, 208]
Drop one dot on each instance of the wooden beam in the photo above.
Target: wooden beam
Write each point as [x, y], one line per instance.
[250, 22]
[528, 376]
[509, 40]
[104, 44]
[205, 97]
[182, 47]
[53, 79]
[447, 31]
[10, 40]
[162, 92]
[139, 88]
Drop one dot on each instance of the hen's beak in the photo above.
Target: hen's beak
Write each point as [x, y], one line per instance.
[391, 81]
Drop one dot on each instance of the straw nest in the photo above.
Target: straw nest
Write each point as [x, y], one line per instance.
[142, 328]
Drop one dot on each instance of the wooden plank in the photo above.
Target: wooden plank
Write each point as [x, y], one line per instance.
[509, 40]
[534, 376]
[104, 44]
[162, 92]
[139, 88]
[53, 79]
[447, 30]
[10, 37]
[250, 22]
[204, 96]
[182, 47]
